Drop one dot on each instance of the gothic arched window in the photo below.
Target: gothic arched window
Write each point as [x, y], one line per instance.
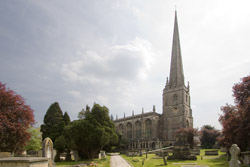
[138, 129]
[148, 128]
[120, 129]
[129, 130]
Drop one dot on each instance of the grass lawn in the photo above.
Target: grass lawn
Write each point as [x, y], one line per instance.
[220, 161]
[100, 163]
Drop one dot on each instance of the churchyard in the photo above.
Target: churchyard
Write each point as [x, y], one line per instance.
[202, 161]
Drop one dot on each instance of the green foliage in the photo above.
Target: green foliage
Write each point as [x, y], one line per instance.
[60, 145]
[35, 141]
[91, 134]
[82, 114]
[53, 122]
[66, 118]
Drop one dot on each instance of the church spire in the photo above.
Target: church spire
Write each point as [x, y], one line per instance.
[176, 70]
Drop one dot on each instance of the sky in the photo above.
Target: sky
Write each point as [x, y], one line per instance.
[117, 53]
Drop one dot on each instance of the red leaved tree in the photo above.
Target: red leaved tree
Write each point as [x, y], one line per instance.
[15, 118]
[190, 133]
[235, 120]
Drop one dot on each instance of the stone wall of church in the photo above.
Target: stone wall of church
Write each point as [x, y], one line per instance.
[141, 131]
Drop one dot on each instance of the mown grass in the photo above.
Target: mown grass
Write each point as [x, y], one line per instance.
[220, 161]
[100, 163]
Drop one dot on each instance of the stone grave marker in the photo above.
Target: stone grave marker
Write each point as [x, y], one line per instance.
[102, 155]
[48, 151]
[234, 151]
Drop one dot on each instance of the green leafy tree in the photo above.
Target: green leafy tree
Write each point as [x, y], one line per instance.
[66, 118]
[60, 147]
[35, 142]
[53, 122]
[92, 133]
[82, 114]
[15, 119]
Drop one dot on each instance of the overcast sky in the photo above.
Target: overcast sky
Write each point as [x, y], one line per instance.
[117, 53]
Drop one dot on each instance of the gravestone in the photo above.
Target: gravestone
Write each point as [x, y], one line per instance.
[246, 157]
[48, 151]
[181, 149]
[234, 151]
[102, 155]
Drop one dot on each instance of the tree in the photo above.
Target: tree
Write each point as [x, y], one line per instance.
[190, 133]
[208, 136]
[60, 147]
[53, 122]
[35, 142]
[92, 133]
[83, 112]
[66, 118]
[16, 117]
[235, 119]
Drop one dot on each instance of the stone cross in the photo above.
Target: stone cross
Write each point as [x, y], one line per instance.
[234, 151]
[48, 151]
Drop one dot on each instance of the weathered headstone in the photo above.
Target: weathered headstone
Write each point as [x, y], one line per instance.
[234, 151]
[246, 157]
[48, 151]
[102, 155]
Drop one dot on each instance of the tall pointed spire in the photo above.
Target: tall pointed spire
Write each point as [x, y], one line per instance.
[176, 70]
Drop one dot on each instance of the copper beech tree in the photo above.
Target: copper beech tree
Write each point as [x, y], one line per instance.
[15, 119]
[235, 120]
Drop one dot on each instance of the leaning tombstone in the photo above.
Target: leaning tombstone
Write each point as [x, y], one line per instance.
[234, 151]
[48, 151]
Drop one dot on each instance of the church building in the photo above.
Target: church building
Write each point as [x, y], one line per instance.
[151, 130]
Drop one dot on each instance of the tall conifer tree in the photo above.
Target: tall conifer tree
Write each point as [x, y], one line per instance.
[53, 122]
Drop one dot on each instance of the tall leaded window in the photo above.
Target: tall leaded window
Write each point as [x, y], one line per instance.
[148, 128]
[129, 130]
[120, 129]
[138, 129]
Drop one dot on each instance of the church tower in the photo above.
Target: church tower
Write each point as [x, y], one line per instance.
[177, 112]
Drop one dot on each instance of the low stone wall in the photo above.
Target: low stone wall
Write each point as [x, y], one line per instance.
[5, 154]
[24, 162]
